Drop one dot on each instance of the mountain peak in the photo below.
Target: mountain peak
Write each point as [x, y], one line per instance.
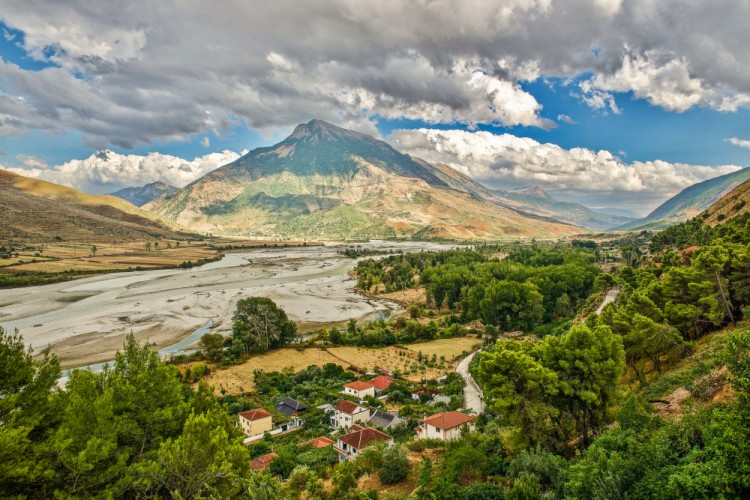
[533, 191]
[318, 128]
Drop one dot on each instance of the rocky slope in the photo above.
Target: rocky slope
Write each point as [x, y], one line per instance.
[732, 204]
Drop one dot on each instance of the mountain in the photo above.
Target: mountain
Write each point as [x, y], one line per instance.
[324, 182]
[689, 202]
[38, 211]
[732, 204]
[534, 200]
[140, 195]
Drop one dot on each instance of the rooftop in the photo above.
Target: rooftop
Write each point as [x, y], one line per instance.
[263, 461]
[382, 382]
[318, 442]
[255, 414]
[448, 419]
[359, 385]
[289, 407]
[346, 406]
[362, 437]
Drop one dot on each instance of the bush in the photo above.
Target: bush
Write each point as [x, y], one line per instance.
[395, 467]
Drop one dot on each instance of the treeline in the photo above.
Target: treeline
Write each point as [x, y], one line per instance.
[132, 430]
[697, 232]
[531, 286]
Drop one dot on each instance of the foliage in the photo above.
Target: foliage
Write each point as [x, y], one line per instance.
[260, 325]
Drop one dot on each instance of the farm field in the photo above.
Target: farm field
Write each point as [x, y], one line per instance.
[239, 378]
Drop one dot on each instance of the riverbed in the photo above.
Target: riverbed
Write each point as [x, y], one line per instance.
[85, 321]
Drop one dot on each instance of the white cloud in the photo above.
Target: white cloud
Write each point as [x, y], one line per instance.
[107, 171]
[121, 79]
[593, 177]
[205, 142]
[566, 119]
[743, 143]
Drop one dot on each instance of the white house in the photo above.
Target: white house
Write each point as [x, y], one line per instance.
[345, 414]
[446, 425]
[359, 389]
[349, 445]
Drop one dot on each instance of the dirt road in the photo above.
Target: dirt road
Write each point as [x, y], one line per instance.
[473, 397]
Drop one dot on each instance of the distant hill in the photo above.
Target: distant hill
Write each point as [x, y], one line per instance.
[38, 211]
[140, 195]
[732, 204]
[325, 182]
[535, 200]
[689, 202]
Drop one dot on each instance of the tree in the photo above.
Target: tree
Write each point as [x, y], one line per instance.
[213, 346]
[712, 259]
[520, 389]
[93, 250]
[207, 458]
[260, 325]
[28, 401]
[395, 467]
[588, 364]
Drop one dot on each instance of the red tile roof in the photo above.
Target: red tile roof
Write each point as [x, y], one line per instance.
[318, 442]
[382, 382]
[448, 419]
[346, 406]
[359, 385]
[263, 461]
[255, 414]
[363, 436]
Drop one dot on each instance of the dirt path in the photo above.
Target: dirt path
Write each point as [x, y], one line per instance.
[473, 397]
[608, 299]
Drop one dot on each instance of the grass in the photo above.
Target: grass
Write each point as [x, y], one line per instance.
[238, 378]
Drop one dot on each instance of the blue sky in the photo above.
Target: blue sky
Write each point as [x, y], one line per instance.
[661, 94]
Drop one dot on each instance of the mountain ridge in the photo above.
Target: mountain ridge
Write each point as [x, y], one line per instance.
[140, 195]
[325, 182]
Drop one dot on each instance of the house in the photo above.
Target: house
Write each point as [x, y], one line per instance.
[346, 413]
[318, 442]
[255, 422]
[381, 382]
[359, 389]
[349, 445]
[446, 425]
[290, 407]
[263, 461]
[384, 420]
[428, 394]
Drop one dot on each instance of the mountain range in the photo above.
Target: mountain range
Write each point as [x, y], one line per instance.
[689, 202]
[32, 210]
[325, 182]
[140, 195]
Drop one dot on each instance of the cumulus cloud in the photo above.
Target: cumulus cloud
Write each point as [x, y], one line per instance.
[743, 143]
[107, 171]
[597, 178]
[133, 73]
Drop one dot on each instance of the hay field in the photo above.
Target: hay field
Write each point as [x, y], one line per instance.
[238, 378]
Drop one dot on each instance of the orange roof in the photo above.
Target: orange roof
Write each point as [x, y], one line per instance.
[255, 414]
[359, 385]
[263, 461]
[382, 382]
[364, 436]
[318, 442]
[448, 419]
[346, 406]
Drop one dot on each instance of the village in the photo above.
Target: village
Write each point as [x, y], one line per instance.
[367, 412]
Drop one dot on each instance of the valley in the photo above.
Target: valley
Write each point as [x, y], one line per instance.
[86, 321]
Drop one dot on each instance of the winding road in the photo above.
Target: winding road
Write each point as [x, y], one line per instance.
[473, 396]
[608, 299]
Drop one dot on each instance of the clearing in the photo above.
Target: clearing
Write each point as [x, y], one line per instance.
[239, 378]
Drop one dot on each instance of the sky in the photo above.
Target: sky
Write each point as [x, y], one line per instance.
[609, 103]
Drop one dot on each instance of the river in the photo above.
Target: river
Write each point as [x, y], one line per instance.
[85, 321]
